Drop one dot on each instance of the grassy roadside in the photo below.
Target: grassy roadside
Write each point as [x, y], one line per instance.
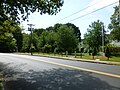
[1, 85]
[84, 56]
[1, 82]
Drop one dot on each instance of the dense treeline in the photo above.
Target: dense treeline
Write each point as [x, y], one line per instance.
[10, 36]
[12, 12]
[60, 38]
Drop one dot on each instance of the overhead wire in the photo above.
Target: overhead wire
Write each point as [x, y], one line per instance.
[78, 11]
[87, 13]
[93, 11]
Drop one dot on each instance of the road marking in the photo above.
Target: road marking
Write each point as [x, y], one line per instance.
[78, 68]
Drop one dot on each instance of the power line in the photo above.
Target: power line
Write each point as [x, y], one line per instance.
[93, 11]
[78, 11]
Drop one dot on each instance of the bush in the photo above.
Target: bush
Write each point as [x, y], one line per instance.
[47, 48]
[115, 51]
[107, 52]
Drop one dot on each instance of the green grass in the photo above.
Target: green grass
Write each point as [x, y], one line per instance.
[113, 58]
[1, 82]
[103, 58]
[84, 56]
[0, 86]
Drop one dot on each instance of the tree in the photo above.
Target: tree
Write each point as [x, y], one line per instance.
[17, 34]
[50, 29]
[35, 42]
[13, 8]
[57, 26]
[66, 40]
[76, 30]
[26, 43]
[70, 25]
[7, 43]
[8, 36]
[42, 40]
[52, 40]
[93, 37]
[48, 40]
[107, 52]
[38, 31]
[114, 26]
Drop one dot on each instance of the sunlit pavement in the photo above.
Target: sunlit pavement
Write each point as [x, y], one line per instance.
[23, 72]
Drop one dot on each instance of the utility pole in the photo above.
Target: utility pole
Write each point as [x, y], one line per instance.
[119, 13]
[103, 39]
[30, 29]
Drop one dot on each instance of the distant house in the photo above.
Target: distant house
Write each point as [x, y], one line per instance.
[112, 42]
[116, 43]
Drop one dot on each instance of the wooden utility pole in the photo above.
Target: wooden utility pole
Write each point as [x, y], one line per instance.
[30, 29]
[103, 39]
[119, 13]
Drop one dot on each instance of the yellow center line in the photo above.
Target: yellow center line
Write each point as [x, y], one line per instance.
[78, 68]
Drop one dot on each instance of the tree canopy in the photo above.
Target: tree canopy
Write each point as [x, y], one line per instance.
[13, 8]
[60, 37]
[114, 26]
[66, 40]
[10, 37]
[93, 37]
[76, 30]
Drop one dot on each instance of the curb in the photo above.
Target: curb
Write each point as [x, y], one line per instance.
[76, 59]
[82, 60]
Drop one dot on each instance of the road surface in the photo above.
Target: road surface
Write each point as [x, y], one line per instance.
[25, 72]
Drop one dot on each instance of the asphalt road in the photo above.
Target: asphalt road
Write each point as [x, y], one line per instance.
[25, 72]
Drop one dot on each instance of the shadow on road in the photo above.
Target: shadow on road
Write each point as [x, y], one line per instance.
[53, 79]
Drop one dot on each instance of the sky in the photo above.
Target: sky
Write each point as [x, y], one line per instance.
[71, 6]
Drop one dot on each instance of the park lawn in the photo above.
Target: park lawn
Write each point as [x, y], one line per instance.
[103, 58]
[0, 86]
[113, 58]
[84, 56]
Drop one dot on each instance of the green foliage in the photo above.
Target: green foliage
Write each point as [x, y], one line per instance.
[7, 43]
[26, 43]
[29, 43]
[94, 52]
[49, 39]
[114, 25]
[47, 48]
[52, 40]
[35, 42]
[43, 39]
[114, 50]
[9, 40]
[38, 31]
[50, 29]
[17, 34]
[66, 40]
[57, 26]
[76, 30]
[59, 38]
[12, 8]
[7, 26]
[93, 37]
[107, 52]
[115, 34]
